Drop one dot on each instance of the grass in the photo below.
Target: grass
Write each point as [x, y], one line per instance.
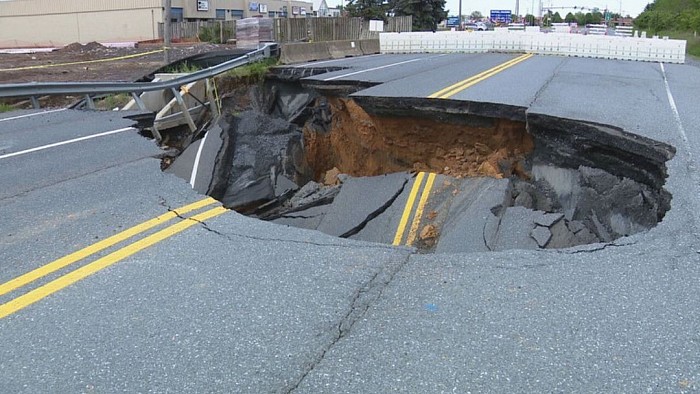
[113, 101]
[6, 108]
[254, 71]
[693, 47]
[182, 68]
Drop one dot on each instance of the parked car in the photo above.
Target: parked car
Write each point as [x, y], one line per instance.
[478, 26]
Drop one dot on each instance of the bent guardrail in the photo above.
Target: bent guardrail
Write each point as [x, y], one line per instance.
[135, 89]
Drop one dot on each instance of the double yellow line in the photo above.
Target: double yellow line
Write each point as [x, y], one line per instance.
[408, 209]
[71, 277]
[427, 187]
[469, 82]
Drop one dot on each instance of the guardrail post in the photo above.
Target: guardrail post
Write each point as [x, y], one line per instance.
[139, 102]
[211, 96]
[89, 102]
[35, 102]
[185, 111]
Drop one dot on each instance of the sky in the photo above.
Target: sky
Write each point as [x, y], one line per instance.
[632, 7]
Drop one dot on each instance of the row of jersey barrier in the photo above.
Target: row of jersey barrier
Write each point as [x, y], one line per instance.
[574, 45]
[597, 30]
[300, 52]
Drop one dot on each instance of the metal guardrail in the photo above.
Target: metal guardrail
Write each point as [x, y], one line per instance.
[34, 89]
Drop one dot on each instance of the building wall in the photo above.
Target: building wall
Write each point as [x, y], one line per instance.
[32, 23]
[274, 7]
[29, 23]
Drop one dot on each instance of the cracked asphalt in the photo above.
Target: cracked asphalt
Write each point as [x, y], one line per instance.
[239, 305]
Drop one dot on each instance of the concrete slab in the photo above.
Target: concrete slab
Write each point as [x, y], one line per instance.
[308, 218]
[346, 216]
[514, 229]
[465, 229]
[383, 228]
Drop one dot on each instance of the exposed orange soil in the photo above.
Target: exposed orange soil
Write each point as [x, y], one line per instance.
[360, 144]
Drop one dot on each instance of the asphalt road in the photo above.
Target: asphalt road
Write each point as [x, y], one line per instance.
[237, 305]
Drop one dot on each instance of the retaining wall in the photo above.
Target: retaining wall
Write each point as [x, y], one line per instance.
[603, 47]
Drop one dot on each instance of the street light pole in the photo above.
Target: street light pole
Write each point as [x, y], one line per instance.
[459, 27]
[167, 31]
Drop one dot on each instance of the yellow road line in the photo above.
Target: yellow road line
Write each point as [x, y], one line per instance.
[408, 208]
[471, 81]
[442, 93]
[419, 211]
[111, 59]
[99, 246]
[81, 273]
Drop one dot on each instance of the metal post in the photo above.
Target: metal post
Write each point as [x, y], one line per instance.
[167, 30]
[221, 32]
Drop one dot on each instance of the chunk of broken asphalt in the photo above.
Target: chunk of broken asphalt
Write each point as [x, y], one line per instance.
[548, 219]
[541, 235]
[347, 217]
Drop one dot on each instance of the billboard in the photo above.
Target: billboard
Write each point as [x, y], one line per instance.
[452, 21]
[501, 16]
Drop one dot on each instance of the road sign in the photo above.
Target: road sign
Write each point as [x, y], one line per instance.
[452, 21]
[501, 16]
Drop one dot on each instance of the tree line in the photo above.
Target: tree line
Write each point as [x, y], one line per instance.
[670, 15]
[426, 13]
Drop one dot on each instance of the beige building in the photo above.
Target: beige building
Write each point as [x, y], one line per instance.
[31, 23]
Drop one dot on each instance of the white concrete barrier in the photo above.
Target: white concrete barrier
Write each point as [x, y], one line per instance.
[603, 47]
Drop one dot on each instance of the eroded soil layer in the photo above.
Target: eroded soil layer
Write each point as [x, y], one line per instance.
[360, 144]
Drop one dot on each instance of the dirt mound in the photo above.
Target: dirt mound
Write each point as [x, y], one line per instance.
[93, 46]
[74, 47]
[77, 47]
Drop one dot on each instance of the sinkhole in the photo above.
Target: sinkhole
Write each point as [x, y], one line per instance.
[439, 175]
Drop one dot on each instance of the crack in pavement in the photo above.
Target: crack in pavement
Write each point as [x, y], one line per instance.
[229, 236]
[361, 301]
[363, 298]
[373, 215]
[596, 249]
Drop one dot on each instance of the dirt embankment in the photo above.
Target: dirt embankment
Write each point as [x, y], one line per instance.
[93, 62]
[360, 144]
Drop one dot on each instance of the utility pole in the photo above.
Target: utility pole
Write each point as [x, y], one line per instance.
[459, 26]
[167, 30]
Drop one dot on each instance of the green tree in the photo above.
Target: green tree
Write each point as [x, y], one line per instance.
[547, 19]
[569, 18]
[368, 9]
[426, 13]
[597, 18]
[476, 15]
[556, 18]
[530, 19]
[580, 18]
[673, 15]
